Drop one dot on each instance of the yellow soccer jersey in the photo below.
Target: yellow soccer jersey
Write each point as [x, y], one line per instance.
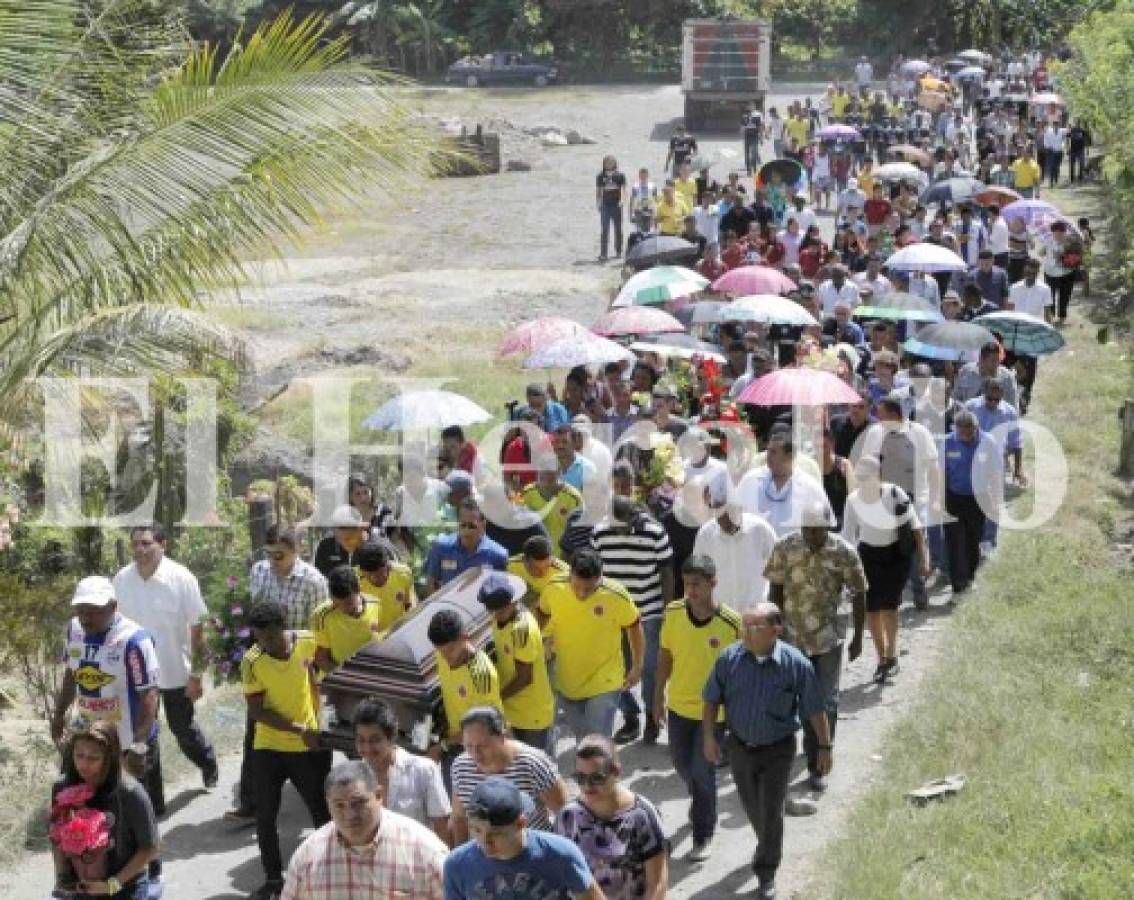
[396, 596]
[521, 641]
[554, 511]
[288, 687]
[536, 584]
[588, 636]
[694, 648]
[473, 684]
[345, 635]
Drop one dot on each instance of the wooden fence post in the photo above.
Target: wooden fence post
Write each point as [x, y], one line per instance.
[1126, 448]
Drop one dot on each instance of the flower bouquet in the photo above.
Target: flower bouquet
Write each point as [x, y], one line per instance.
[229, 637]
[81, 834]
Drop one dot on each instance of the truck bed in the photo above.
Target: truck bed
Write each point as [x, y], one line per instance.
[725, 58]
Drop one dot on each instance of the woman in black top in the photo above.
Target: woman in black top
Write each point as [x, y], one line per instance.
[837, 477]
[93, 757]
[610, 196]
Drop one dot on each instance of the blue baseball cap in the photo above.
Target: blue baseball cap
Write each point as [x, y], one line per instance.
[498, 801]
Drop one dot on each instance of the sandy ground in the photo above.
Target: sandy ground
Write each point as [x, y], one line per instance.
[485, 252]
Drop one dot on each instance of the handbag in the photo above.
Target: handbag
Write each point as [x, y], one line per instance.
[906, 543]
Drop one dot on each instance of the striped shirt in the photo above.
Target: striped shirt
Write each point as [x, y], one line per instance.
[532, 771]
[405, 859]
[633, 556]
[763, 699]
[300, 591]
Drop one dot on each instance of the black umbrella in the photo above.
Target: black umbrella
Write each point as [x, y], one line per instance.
[790, 171]
[654, 251]
[952, 191]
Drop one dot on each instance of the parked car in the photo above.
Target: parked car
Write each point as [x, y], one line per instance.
[502, 67]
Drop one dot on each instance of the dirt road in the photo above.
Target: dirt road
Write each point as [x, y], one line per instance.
[478, 254]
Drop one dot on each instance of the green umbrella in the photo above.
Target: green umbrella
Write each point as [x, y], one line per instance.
[659, 285]
[899, 306]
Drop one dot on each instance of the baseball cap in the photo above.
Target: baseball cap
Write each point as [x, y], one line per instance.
[346, 516]
[94, 590]
[498, 801]
[457, 479]
[497, 591]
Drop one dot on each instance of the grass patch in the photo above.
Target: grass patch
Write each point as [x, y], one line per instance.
[1033, 699]
[247, 318]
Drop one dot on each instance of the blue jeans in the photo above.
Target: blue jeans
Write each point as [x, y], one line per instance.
[610, 214]
[686, 749]
[631, 709]
[591, 715]
[139, 889]
[828, 668]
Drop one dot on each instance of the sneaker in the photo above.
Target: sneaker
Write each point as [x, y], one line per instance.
[892, 669]
[210, 778]
[879, 673]
[701, 851]
[650, 735]
[629, 732]
[766, 890]
[817, 783]
[240, 815]
[269, 890]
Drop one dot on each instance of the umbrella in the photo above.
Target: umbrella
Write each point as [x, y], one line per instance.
[659, 284]
[971, 72]
[1022, 333]
[636, 320]
[683, 346]
[770, 309]
[790, 171]
[915, 67]
[1046, 99]
[951, 190]
[583, 349]
[1031, 211]
[661, 249]
[706, 312]
[949, 341]
[423, 410]
[996, 196]
[900, 306]
[798, 387]
[716, 158]
[746, 280]
[900, 171]
[956, 63]
[910, 153]
[973, 54]
[925, 257]
[838, 133]
[537, 333]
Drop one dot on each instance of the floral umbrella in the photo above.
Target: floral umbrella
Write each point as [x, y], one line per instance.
[636, 320]
[529, 336]
[798, 387]
[584, 349]
[746, 280]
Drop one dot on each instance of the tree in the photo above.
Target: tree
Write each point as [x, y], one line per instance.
[138, 171]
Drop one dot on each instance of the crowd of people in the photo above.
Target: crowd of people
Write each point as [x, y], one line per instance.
[659, 556]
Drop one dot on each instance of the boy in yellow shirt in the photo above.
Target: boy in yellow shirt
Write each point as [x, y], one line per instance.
[552, 498]
[386, 582]
[537, 567]
[346, 623]
[694, 632]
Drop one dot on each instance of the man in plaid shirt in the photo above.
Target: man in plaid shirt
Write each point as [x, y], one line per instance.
[287, 579]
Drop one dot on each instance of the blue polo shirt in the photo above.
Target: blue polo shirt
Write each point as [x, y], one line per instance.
[990, 419]
[448, 559]
[763, 699]
[555, 414]
[964, 460]
[579, 472]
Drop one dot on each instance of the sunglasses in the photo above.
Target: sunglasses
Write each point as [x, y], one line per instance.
[593, 780]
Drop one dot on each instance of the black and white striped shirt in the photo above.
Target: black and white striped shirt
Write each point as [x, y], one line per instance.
[532, 771]
[633, 556]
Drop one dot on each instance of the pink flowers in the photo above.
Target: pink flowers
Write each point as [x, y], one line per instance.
[80, 830]
[231, 581]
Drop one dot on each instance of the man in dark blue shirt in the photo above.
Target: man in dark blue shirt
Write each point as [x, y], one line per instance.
[765, 685]
[452, 554]
[973, 474]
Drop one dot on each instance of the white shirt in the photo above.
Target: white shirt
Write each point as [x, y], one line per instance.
[876, 523]
[925, 286]
[806, 216]
[822, 167]
[829, 296]
[776, 128]
[998, 237]
[416, 789]
[708, 223]
[1031, 300]
[880, 284]
[167, 605]
[995, 87]
[1053, 138]
[977, 237]
[740, 559]
[424, 510]
[924, 446]
[706, 471]
[780, 507]
[864, 73]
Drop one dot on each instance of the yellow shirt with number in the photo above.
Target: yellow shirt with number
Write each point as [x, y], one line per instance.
[671, 216]
[554, 511]
[344, 635]
[536, 583]
[473, 684]
[288, 688]
[521, 641]
[694, 648]
[588, 636]
[396, 596]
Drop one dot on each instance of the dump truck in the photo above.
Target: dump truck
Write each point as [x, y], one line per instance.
[725, 67]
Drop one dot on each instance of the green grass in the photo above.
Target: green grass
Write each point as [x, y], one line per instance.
[1033, 698]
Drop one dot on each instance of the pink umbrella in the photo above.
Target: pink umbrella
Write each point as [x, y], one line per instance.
[798, 387]
[531, 336]
[753, 280]
[636, 320]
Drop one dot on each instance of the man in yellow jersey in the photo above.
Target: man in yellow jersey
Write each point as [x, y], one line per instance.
[388, 583]
[552, 498]
[797, 127]
[694, 632]
[537, 567]
[346, 623]
[588, 616]
[671, 210]
[529, 706]
[468, 678]
[279, 680]
[685, 186]
[1026, 173]
[840, 102]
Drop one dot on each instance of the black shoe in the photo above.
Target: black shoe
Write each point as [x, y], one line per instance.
[892, 669]
[921, 602]
[629, 732]
[210, 778]
[242, 816]
[767, 889]
[269, 890]
[879, 673]
[650, 735]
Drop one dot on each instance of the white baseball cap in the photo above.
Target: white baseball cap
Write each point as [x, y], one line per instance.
[346, 516]
[94, 590]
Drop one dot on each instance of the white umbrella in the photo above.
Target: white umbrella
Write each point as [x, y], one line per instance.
[901, 171]
[423, 410]
[579, 350]
[926, 258]
[769, 309]
[659, 284]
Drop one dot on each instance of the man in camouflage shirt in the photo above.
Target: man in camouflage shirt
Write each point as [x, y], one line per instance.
[807, 574]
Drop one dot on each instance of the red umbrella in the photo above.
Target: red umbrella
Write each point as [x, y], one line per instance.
[636, 320]
[996, 196]
[531, 336]
[798, 387]
[753, 280]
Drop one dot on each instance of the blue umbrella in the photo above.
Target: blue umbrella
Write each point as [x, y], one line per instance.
[1022, 333]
